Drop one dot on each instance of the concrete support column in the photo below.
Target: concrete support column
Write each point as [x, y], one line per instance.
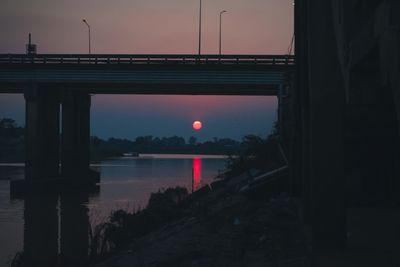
[327, 104]
[42, 133]
[302, 164]
[280, 108]
[74, 239]
[75, 152]
[41, 230]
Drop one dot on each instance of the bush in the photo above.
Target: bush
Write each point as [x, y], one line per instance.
[123, 227]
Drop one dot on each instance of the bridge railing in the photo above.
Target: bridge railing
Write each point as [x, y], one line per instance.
[115, 59]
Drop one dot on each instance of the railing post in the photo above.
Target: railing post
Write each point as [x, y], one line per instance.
[285, 60]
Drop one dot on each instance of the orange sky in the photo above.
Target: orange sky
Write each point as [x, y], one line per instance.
[146, 26]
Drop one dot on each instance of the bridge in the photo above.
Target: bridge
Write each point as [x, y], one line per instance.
[148, 74]
[51, 81]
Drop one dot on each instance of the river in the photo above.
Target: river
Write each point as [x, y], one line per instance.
[51, 224]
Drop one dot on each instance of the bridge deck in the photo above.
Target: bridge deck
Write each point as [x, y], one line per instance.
[147, 74]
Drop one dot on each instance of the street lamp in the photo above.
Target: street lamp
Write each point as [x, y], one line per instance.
[290, 49]
[200, 30]
[87, 24]
[220, 30]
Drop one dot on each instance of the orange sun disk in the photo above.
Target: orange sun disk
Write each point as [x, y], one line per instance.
[197, 125]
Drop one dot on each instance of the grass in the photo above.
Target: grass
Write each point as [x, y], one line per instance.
[122, 226]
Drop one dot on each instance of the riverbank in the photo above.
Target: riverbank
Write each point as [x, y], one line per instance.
[219, 226]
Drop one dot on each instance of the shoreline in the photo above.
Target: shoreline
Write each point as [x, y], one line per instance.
[141, 156]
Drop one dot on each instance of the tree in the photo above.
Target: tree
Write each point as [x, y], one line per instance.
[192, 140]
[9, 128]
[7, 123]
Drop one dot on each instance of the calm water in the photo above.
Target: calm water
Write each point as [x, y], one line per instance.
[57, 224]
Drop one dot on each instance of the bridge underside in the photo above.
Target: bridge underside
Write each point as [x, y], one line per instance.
[147, 79]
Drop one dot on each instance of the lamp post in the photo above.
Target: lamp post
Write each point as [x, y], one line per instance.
[200, 29]
[87, 24]
[290, 49]
[220, 30]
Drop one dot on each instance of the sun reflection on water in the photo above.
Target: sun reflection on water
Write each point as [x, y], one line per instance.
[196, 179]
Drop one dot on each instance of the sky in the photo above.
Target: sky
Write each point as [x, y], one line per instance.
[154, 26]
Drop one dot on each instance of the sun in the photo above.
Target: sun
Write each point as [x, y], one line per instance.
[197, 125]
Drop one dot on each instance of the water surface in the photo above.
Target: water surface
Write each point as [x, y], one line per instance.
[57, 224]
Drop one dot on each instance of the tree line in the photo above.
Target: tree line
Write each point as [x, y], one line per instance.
[12, 144]
[249, 150]
[12, 141]
[156, 145]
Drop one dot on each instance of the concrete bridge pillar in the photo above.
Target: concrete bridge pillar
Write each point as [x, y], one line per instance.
[41, 230]
[74, 226]
[75, 151]
[42, 133]
[326, 130]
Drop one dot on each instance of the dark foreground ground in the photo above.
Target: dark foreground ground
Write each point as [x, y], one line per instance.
[223, 227]
[373, 240]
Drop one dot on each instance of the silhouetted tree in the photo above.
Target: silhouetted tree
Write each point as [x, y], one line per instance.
[11, 141]
[192, 140]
